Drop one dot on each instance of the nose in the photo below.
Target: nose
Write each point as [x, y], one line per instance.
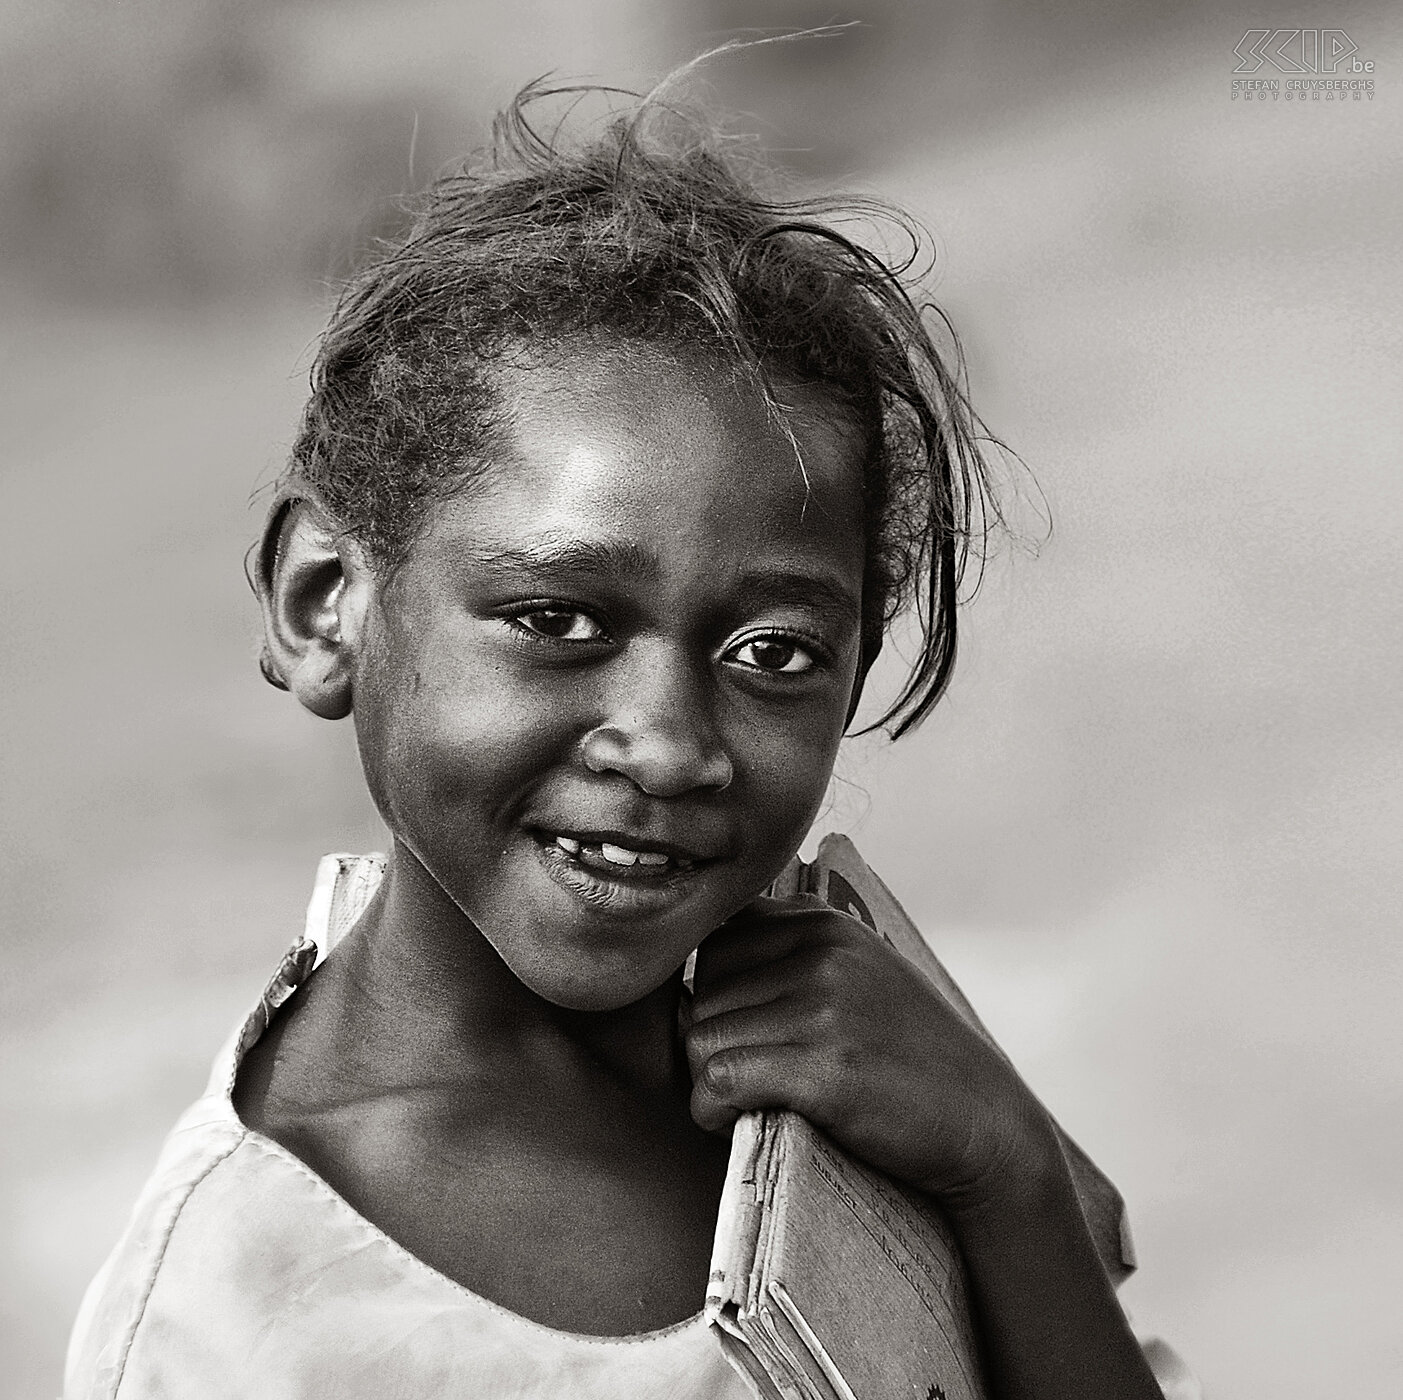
[660, 730]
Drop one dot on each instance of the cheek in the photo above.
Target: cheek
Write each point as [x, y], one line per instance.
[788, 770]
[441, 721]
[469, 739]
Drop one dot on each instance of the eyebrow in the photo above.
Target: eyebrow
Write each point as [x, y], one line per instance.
[568, 554]
[819, 591]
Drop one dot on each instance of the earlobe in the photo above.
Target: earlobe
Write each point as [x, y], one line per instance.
[306, 573]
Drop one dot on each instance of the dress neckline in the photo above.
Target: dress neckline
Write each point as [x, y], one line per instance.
[344, 886]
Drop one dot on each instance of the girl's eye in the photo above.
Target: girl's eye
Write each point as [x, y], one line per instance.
[777, 655]
[560, 625]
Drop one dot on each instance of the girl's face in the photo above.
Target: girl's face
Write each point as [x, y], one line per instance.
[600, 702]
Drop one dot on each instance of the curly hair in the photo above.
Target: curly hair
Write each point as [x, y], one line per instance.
[653, 228]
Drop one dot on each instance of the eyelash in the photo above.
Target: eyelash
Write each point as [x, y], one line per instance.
[801, 644]
[518, 621]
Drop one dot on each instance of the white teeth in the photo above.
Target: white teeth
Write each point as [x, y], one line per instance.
[621, 855]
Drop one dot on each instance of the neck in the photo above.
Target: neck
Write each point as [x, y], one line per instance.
[424, 996]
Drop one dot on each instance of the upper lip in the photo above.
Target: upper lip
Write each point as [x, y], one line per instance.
[630, 841]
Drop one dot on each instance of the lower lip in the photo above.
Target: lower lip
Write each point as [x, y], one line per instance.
[633, 890]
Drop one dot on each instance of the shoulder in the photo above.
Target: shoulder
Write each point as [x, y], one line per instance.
[205, 1138]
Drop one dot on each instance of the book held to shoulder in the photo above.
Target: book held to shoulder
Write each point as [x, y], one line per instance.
[829, 1281]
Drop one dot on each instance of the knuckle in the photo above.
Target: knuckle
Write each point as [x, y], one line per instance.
[831, 968]
[815, 1014]
[827, 1019]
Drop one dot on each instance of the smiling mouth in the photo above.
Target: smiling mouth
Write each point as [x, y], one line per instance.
[627, 862]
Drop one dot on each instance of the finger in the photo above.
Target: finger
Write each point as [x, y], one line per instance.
[764, 930]
[755, 986]
[713, 1116]
[751, 1027]
[827, 980]
[747, 1077]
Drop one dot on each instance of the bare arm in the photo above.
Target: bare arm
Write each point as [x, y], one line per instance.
[1046, 1312]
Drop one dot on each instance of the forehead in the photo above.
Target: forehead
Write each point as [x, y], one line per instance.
[666, 450]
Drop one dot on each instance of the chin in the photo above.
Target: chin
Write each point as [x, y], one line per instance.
[598, 993]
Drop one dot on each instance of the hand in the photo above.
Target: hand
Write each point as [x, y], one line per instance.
[798, 1006]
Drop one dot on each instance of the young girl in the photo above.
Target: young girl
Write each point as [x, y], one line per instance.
[614, 475]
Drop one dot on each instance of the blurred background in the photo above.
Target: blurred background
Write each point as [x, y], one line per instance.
[1155, 827]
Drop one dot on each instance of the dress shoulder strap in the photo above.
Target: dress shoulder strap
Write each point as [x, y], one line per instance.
[345, 885]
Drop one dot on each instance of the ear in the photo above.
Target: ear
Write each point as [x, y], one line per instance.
[311, 583]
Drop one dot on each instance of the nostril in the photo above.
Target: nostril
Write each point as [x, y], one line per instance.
[661, 763]
[604, 749]
[719, 771]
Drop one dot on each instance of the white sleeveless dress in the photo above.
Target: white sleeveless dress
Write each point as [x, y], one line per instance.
[243, 1274]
